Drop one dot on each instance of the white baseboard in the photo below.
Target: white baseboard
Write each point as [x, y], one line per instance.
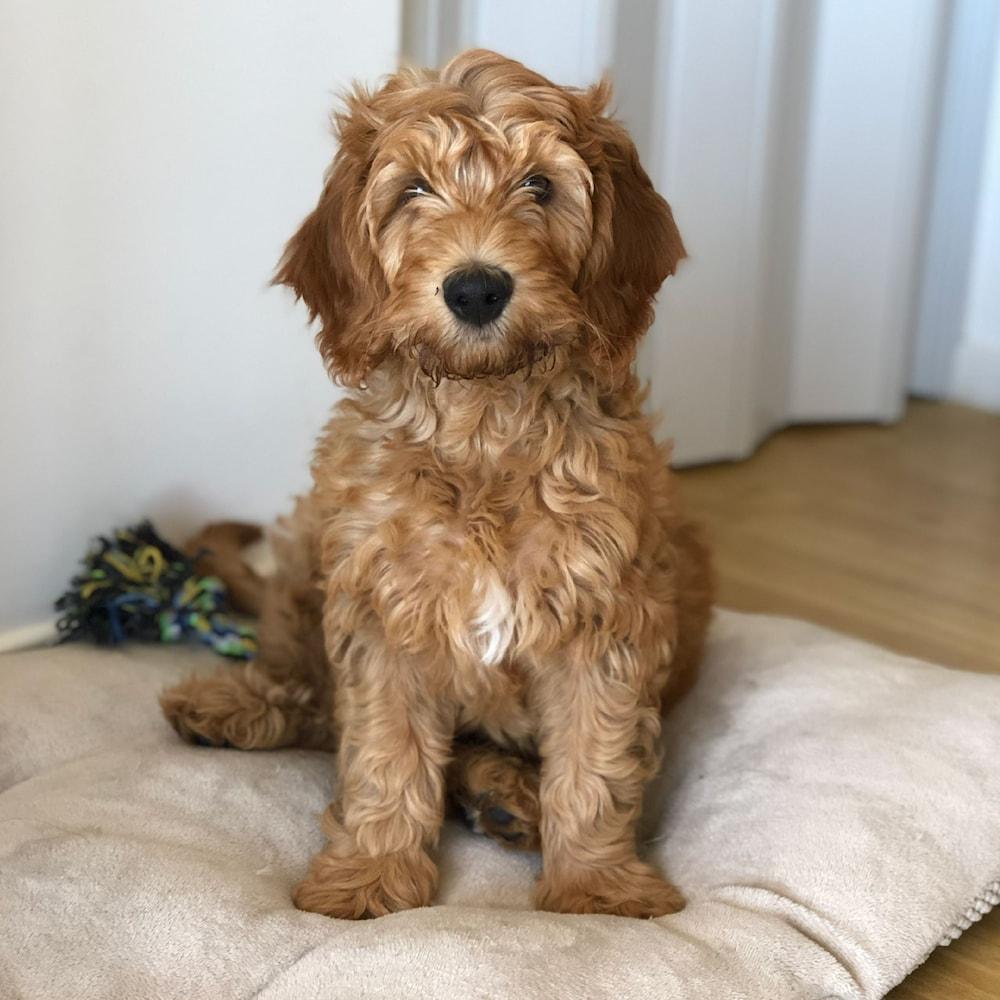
[28, 636]
[975, 374]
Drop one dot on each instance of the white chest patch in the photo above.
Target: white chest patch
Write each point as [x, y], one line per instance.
[491, 630]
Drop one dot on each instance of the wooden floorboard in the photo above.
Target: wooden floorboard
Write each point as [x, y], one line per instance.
[891, 533]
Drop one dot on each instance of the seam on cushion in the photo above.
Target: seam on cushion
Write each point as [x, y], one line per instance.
[977, 909]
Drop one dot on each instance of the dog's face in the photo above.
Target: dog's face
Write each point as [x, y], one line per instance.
[477, 219]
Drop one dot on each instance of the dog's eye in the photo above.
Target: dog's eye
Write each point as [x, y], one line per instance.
[415, 189]
[539, 186]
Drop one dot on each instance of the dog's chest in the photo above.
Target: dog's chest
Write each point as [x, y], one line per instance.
[477, 549]
[483, 558]
[455, 570]
[491, 625]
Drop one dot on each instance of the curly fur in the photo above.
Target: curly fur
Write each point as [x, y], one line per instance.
[492, 545]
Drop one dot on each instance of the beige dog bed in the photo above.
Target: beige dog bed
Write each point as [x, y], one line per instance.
[832, 812]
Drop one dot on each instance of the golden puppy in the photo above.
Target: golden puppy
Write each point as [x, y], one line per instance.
[490, 587]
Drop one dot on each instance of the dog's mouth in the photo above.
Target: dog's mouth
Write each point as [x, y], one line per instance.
[523, 344]
[529, 357]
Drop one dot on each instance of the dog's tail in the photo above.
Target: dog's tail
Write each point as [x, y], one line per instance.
[219, 549]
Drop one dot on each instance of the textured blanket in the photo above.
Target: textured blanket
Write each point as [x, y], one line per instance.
[830, 810]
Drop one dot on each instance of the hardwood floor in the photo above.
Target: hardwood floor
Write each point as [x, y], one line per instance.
[891, 533]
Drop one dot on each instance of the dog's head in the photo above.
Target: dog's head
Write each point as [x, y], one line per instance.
[477, 219]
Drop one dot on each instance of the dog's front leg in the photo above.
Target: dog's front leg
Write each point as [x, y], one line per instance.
[600, 723]
[395, 740]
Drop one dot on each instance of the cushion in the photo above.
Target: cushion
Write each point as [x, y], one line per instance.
[831, 810]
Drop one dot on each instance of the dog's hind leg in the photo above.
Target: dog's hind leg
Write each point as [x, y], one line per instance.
[218, 549]
[497, 792]
[284, 698]
[243, 708]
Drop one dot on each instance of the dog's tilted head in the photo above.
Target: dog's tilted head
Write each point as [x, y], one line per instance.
[480, 220]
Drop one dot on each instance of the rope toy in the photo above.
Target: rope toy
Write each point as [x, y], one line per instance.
[135, 585]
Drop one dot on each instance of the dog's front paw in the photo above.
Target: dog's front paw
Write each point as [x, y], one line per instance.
[632, 889]
[357, 886]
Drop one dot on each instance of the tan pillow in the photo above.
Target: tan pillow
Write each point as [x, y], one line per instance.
[831, 810]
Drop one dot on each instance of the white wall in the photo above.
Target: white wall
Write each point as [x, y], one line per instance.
[712, 149]
[794, 143]
[526, 30]
[568, 40]
[955, 197]
[975, 376]
[154, 157]
[867, 177]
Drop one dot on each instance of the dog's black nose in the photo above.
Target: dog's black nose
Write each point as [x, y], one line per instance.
[478, 295]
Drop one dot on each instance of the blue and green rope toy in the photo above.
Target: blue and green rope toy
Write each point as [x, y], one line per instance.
[136, 585]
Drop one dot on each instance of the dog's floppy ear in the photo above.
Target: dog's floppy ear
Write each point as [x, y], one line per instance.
[329, 262]
[636, 244]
